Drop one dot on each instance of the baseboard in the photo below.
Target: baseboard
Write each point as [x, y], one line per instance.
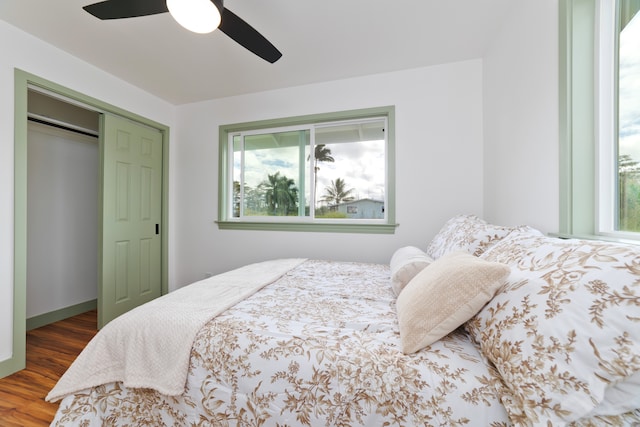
[11, 366]
[61, 314]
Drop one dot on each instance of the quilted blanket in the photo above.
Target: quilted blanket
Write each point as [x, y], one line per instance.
[149, 347]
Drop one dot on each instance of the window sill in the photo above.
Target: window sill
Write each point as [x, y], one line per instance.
[310, 227]
[604, 238]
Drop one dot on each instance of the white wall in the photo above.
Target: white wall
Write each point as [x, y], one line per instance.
[521, 131]
[20, 50]
[439, 165]
[62, 238]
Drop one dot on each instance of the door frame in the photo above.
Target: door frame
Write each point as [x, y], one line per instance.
[23, 81]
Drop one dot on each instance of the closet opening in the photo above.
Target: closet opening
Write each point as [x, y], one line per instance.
[62, 209]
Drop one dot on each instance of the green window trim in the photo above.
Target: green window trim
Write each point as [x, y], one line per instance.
[224, 223]
[577, 114]
[579, 147]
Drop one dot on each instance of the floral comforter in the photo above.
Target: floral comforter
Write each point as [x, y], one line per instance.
[318, 347]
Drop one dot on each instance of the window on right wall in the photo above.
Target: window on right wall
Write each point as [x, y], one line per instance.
[628, 120]
[600, 118]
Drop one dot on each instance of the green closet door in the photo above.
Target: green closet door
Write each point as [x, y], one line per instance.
[131, 268]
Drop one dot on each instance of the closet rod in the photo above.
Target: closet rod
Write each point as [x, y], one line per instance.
[61, 125]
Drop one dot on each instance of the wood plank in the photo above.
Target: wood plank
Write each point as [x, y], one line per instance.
[50, 351]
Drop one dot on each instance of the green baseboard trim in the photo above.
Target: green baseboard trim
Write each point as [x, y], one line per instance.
[63, 313]
[10, 366]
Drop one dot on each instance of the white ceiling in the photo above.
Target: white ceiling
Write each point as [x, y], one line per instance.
[321, 40]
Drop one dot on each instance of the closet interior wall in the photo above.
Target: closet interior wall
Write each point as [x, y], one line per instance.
[62, 204]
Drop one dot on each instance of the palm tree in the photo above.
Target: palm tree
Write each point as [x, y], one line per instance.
[629, 209]
[337, 192]
[281, 194]
[320, 154]
[236, 199]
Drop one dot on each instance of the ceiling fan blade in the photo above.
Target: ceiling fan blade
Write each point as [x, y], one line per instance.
[247, 36]
[116, 9]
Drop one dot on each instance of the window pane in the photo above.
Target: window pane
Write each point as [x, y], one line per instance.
[269, 172]
[350, 170]
[629, 122]
[237, 175]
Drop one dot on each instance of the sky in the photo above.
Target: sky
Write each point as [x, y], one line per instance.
[629, 90]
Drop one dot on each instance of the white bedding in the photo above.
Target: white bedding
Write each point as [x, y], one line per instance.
[319, 346]
[150, 346]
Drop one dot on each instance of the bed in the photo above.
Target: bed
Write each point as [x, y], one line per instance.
[316, 347]
[312, 343]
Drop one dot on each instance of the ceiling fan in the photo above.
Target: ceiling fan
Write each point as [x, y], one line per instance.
[201, 16]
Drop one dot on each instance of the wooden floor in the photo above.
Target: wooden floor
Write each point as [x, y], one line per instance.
[50, 351]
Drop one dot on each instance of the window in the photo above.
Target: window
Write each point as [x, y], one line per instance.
[600, 118]
[628, 122]
[328, 172]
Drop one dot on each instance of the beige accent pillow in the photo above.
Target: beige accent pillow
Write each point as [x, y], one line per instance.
[444, 295]
[405, 263]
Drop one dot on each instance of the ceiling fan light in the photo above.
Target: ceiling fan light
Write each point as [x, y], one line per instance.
[199, 16]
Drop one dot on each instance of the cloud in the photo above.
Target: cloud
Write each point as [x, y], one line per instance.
[629, 90]
[360, 164]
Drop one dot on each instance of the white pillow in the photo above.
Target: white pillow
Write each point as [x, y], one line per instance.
[571, 309]
[466, 233]
[620, 397]
[405, 263]
[444, 295]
